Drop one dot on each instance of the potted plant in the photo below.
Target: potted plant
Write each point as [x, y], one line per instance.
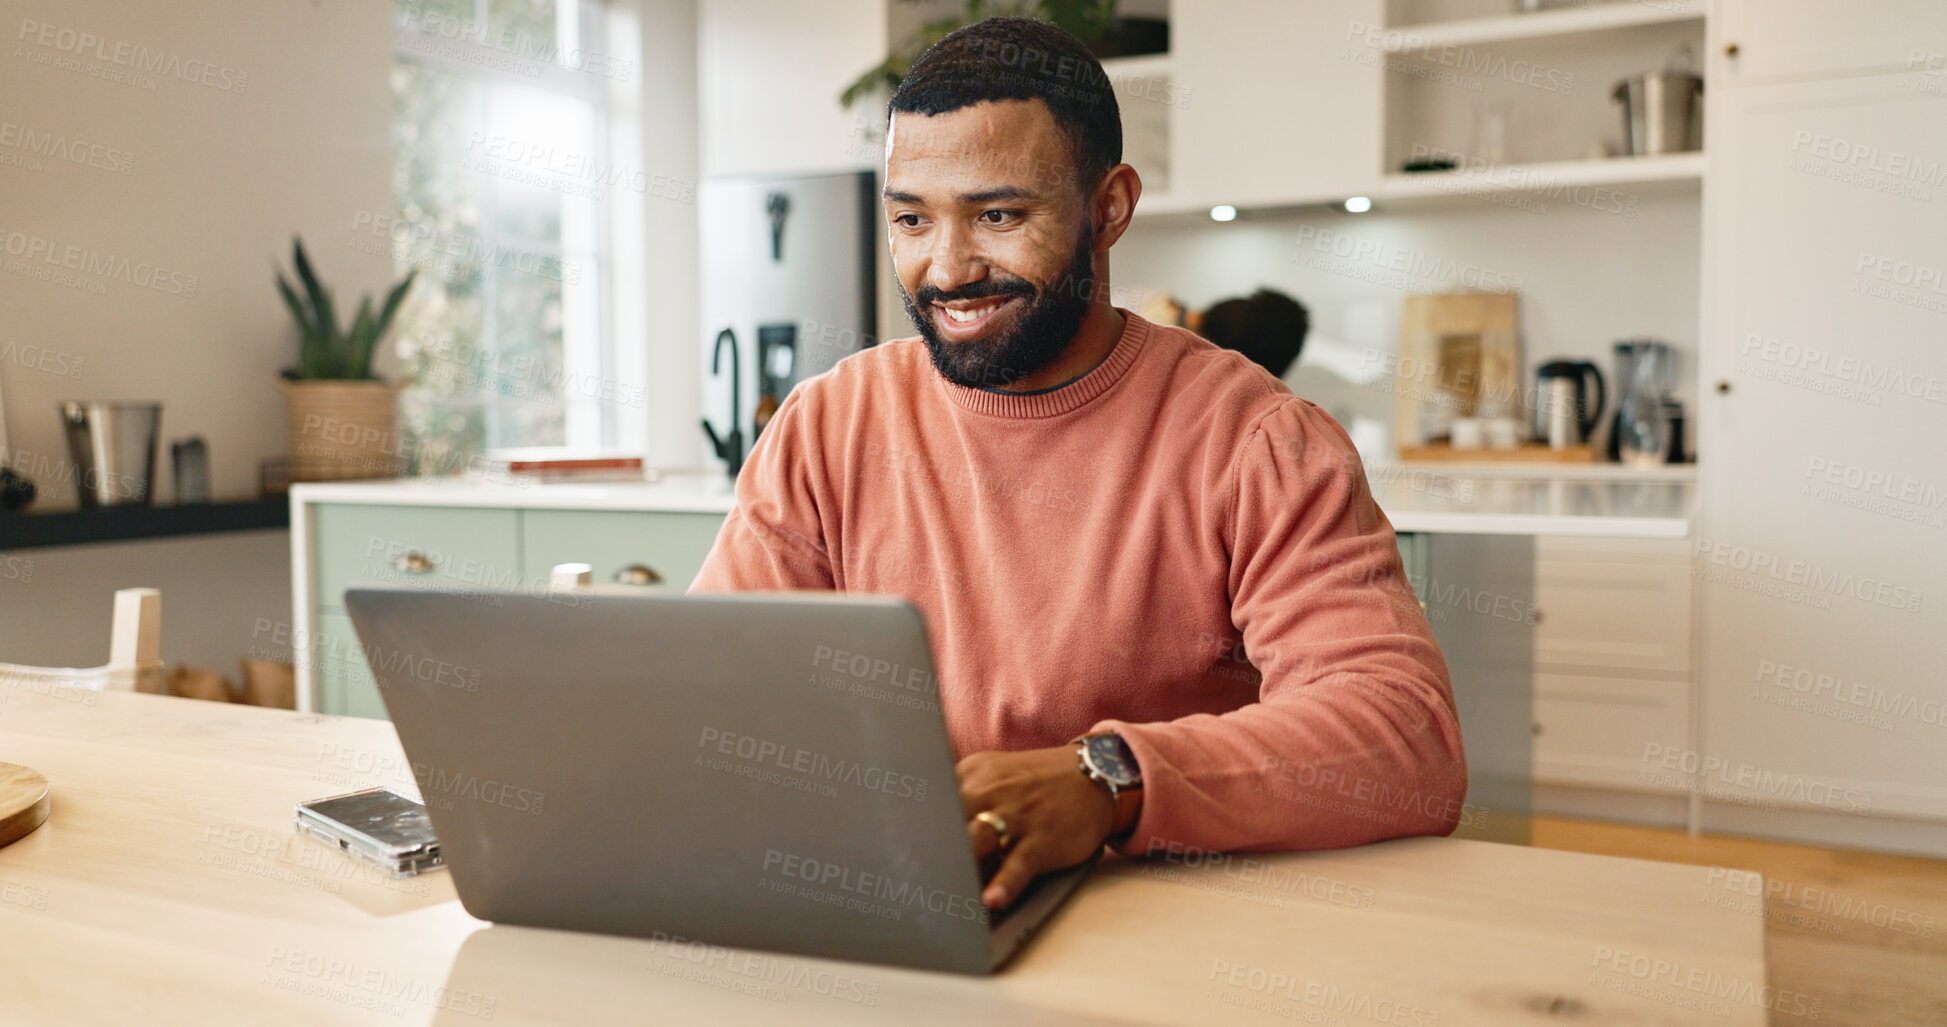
[1094, 22]
[341, 415]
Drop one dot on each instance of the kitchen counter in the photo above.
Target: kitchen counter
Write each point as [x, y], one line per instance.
[1469, 499]
[680, 492]
[1568, 471]
[1615, 504]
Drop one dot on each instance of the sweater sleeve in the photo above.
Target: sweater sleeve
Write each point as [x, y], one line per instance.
[774, 539]
[1354, 736]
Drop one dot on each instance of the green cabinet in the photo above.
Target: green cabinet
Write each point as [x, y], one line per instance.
[430, 546]
[671, 545]
[345, 683]
[1412, 556]
[472, 548]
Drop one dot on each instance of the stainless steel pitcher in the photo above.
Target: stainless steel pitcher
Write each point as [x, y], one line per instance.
[1661, 112]
[113, 446]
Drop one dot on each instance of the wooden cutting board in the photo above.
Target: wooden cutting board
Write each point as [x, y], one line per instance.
[23, 801]
[1459, 356]
[1528, 453]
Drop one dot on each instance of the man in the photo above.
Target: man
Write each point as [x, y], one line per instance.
[1113, 529]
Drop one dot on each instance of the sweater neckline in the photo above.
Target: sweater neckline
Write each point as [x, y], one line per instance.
[1135, 332]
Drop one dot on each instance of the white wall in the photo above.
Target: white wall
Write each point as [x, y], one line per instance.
[218, 182]
[1587, 277]
[293, 136]
[297, 140]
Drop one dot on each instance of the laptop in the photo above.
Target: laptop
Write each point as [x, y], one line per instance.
[755, 770]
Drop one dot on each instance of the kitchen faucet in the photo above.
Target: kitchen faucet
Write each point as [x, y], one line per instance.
[729, 447]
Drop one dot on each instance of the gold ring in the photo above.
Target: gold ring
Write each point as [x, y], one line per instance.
[1002, 836]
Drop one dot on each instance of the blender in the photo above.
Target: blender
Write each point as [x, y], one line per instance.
[1645, 372]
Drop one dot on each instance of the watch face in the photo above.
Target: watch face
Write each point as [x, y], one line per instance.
[1110, 756]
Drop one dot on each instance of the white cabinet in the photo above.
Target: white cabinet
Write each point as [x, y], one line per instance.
[1768, 41]
[1149, 101]
[1593, 729]
[1622, 605]
[1282, 103]
[1612, 659]
[771, 74]
[1822, 534]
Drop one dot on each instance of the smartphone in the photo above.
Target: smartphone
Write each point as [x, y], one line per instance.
[377, 824]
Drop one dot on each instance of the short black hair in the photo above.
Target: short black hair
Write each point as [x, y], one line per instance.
[1022, 59]
[1269, 327]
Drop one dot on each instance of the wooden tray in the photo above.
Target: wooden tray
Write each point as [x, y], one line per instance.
[1531, 453]
[23, 801]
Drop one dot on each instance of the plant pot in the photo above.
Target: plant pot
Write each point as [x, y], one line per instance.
[342, 429]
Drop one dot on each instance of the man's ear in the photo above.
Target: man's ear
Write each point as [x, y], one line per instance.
[1114, 203]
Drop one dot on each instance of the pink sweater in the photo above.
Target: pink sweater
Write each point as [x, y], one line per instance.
[1173, 547]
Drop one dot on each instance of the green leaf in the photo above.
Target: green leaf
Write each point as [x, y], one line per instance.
[1087, 20]
[324, 316]
[888, 74]
[358, 341]
[297, 306]
[324, 351]
[392, 301]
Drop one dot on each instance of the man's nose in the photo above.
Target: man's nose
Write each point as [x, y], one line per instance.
[955, 261]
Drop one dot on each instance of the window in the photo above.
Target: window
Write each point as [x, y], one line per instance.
[502, 181]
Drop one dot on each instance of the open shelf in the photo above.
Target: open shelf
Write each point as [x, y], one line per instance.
[1150, 65]
[1544, 177]
[1674, 170]
[1407, 39]
[30, 530]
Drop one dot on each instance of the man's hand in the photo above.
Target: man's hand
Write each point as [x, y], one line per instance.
[1055, 815]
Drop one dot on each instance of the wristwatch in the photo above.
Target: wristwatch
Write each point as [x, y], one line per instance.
[1107, 761]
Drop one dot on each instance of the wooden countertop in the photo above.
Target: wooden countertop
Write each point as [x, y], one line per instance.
[168, 887]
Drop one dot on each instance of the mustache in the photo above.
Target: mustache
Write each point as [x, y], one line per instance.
[974, 291]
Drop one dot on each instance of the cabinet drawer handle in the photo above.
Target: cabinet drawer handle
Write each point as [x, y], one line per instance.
[637, 574]
[414, 562]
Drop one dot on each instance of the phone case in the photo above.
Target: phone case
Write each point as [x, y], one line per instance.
[376, 824]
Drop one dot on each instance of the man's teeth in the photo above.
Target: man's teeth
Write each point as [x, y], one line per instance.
[966, 316]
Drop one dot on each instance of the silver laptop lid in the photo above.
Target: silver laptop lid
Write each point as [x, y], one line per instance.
[760, 770]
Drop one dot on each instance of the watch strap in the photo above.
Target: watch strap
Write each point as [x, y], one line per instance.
[1127, 798]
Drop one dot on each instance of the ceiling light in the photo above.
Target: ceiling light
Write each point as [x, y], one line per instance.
[1358, 205]
[1223, 212]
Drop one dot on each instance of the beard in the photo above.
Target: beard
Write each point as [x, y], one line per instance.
[1043, 329]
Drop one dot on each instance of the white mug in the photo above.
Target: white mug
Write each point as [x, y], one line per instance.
[1504, 433]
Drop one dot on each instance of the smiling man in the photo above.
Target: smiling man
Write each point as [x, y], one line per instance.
[1166, 611]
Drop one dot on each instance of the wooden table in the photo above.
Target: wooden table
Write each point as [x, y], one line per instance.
[168, 887]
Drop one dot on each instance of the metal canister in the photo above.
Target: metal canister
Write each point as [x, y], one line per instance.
[1661, 113]
[113, 446]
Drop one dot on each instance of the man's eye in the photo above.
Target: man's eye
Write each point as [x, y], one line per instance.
[998, 217]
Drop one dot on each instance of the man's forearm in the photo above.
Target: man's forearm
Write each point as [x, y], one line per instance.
[1327, 769]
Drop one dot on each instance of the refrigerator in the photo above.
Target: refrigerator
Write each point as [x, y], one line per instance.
[788, 291]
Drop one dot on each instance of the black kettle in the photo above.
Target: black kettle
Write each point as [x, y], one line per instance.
[1564, 413]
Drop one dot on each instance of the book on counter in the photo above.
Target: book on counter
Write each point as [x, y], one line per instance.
[568, 464]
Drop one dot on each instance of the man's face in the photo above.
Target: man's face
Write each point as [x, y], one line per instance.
[990, 238]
